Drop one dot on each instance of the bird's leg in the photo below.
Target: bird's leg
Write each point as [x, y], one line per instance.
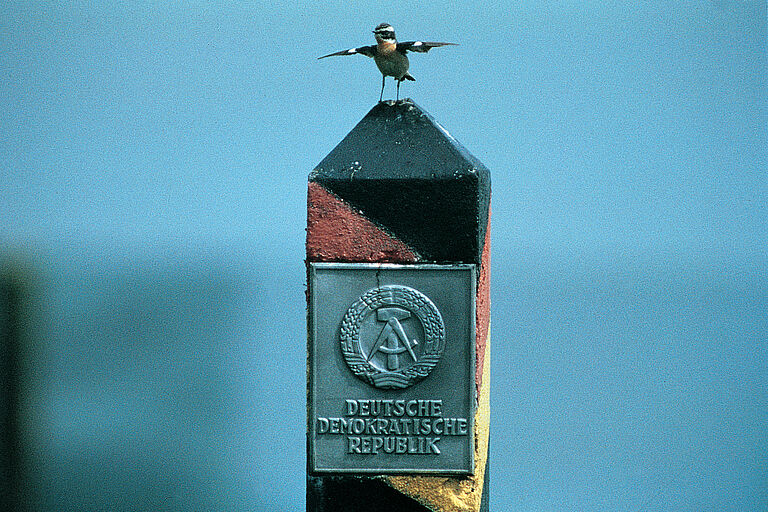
[382, 88]
[397, 98]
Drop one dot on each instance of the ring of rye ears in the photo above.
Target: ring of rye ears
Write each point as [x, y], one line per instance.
[420, 306]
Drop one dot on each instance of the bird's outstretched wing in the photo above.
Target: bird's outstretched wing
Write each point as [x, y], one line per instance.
[419, 46]
[368, 51]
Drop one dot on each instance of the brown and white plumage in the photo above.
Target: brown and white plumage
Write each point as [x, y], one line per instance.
[389, 55]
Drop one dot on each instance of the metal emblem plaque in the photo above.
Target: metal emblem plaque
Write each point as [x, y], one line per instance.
[392, 368]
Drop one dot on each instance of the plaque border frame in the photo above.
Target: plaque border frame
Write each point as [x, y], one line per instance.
[312, 466]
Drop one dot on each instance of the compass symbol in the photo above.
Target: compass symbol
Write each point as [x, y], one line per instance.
[394, 335]
[391, 356]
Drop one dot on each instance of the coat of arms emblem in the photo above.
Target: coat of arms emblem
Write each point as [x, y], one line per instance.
[392, 336]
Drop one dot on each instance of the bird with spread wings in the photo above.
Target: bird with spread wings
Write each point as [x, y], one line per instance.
[389, 55]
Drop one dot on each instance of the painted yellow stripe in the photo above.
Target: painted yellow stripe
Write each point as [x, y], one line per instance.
[459, 494]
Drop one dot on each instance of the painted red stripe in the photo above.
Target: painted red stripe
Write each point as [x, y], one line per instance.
[337, 232]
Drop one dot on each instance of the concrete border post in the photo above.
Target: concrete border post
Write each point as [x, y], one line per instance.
[399, 189]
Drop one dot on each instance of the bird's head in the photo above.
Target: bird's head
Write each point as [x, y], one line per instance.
[384, 32]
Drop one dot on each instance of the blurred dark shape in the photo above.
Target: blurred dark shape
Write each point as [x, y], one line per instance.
[13, 296]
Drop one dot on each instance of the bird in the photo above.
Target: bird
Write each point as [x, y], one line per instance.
[389, 55]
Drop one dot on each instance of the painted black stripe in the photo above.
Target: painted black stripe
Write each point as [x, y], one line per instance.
[355, 494]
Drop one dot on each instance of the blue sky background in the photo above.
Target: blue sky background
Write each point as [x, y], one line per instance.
[154, 161]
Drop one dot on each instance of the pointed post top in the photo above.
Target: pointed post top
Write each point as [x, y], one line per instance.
[396, 140]
[406, 173]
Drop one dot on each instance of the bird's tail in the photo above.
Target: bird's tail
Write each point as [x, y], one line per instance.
[408, 76]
